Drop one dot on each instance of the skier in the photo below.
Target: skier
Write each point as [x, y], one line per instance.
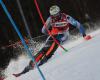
[58, 24]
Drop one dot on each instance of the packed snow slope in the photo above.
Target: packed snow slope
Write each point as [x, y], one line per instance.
[81, 62]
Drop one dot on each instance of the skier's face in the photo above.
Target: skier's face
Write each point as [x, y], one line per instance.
[56, 16]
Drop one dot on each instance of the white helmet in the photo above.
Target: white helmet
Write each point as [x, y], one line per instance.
[54, 10]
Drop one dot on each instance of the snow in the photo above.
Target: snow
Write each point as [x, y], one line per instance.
[81, 62]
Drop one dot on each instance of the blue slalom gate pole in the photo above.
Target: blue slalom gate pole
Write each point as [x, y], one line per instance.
[20, 36]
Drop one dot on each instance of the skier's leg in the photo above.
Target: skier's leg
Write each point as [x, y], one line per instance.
[26, 69]
[42, 56]
[49, 50]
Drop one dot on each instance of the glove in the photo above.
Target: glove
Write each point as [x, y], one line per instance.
[87, 37]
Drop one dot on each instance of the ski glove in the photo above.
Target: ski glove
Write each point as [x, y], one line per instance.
[87, 37]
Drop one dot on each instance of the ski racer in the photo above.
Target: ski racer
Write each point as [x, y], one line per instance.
[58, 24]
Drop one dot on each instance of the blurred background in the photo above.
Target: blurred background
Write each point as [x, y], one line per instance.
[85, 11]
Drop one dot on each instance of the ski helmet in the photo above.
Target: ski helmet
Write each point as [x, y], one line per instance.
[54, 10]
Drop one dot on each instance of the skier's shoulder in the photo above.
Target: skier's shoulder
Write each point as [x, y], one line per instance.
[65, 15]
[48, 19]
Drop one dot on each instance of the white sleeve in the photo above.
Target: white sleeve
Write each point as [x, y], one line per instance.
[76, 24]
[48, 25]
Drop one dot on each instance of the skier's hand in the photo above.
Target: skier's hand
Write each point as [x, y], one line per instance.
[87, 37]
